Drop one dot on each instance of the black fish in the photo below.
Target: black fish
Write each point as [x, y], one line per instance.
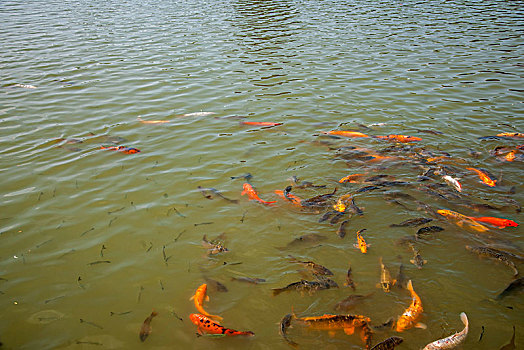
[319, 200]
[388, 344]
[367, 188]
[500, 255]
[285, 323]
[349, 281]
[205, 191]
[513, 287]
[327, 215]
[341, 232]
[315, 268]
[354, 208]
[307, 286]
[412, 222]
[305, 239]
[428, 230]
[349, 302]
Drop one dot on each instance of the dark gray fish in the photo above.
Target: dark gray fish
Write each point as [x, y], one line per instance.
[337, 217]
[350, 302]
[248, 280]
[428, 131]
[214, 246]
[320, 200]
[307, 286]
[402, 279]
[285, 323]
[392, 183]
[388, 344]
[376, 178]
[246, 177]
[513, 287]
[398, 195]
[417, 259]
[146, 329]
[428, 230]
[499, 255]
[349, 280]
[511, 345]
[341, 232]
[327, 215]
[315, 268]
[305, 184]
[386, 325]
[367, 188]
[215, 285]
[205, 193]
[310, 238]
[354, 208]
[412, 222]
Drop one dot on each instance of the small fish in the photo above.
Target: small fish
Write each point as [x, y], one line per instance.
[341, 232]
[309, 238]
[261, 123]
[146, 329]
[349, 302]
[354, 208]
[253, 195]
[25, 86]
[386, 282]
[515, 286]
[400, 138]
[205, 193]
[499, 255]
[123, 149]
[196, 114]
[401, 280]
[453, 182]
[511, 344]
[412, 222]
[320, 200]
[462, 220]
[215, 285]
[152, 121]
[417, 259]
[410, 317]
[347, 133]
[246, 177]
[452, 341]
[307, 286]
[315, 268]
[252, 280]
[289, 197]
[208, 326]
[353, 178]
[367, 188]
[388, 344]
[361, 243]
[428, 230]
[285, 323]
[215, 246]
[500, 223]
[198, 299]
[485, 177]
[349, 280]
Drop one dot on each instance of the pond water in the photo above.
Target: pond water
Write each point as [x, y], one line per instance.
[93, 240]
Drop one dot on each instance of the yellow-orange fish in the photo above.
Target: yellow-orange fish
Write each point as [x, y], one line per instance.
[484, 177]
[412, 314]
[462, 220]
[361, 243]
[347, 133]
[199, 297]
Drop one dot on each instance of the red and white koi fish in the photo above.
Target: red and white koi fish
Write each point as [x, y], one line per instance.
[253, 195]
[123, 149]
[452, 341]
[261, 123]
[453, 182]
[208, 326]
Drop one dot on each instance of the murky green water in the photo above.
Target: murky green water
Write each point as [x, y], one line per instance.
[93, 240]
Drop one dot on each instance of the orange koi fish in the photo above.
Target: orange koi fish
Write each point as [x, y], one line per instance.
[253, 195]
[348, 323]
[152, 121]
[288, 196]
[342, 203]
[123, 149]
[484, 177]
[460, 220]
[261, 123]
[351, 178]
[347, 133]
[511, 134]
[361, 243]
[400, 138]
[510, 157]
[199, 297]
[410, 317]
[500, 223]
[208, 326]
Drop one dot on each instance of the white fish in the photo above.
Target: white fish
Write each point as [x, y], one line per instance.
[196, 114]
[25, 86]
[453, 182]
[452, 341]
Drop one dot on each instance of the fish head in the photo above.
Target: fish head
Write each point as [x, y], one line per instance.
[403, 323]
[195, 318]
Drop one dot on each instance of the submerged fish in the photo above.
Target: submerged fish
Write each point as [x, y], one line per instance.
[388, 344]
[307, 286]
[309, 238]
[196, 114]
[353, 178]
[341, 232]
[428, 230]
[349, 281]
[452, 341]
[207, 326]
[412, 314]
[320, 200]
[347, 133]
[511, 344]
[285, 323]
[315, 268]
[146, 329]
[417, 259]
[400, 138]
[412, 222]
[214, 191]
[123, 149]
[261, 123]
[152, 121]
[349, 302]
[513, 287]
[499, 255]
[386, 282]
[252, 280]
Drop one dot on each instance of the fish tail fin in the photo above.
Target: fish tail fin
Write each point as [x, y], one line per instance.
[193, 297]
[154, 313]
[464, 318]
[410, 286]
[277, 291]
[207, 298]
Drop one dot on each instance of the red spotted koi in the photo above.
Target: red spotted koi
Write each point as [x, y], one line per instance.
[208, 326]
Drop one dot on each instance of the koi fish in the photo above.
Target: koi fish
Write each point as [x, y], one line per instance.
[351, 178]
[261, 123]
[511, 134]
[123, 149]
[320, 200]
[428, 230]
[500, 223]
[452, 341]
[289, 197]
[215, 246]
[460, 220]
[196, 114]
[342, 202]
[252, 194]
[315, 268]
[453, 182]
[309, 238]
[349, 281]
[388, 344]
[347, 133]
[252, 280]
[412, 222]
[307, 286]
[361, 243]
[410, 317]
[208, 326]
[513, 287]
[347, 323]
[349, 302]
[484, 177]
[386, 282]
[417, 259]
[199, 297]
[285, 323]
[152, 121]
[146, 329]
[495, 254]
[341, 232]
[400, 138]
